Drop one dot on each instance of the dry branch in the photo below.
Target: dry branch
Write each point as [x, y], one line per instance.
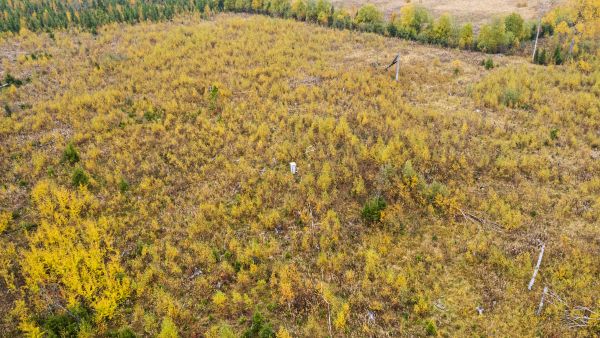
[395, 61]
[480, 220]
[539, 310]
[576, 316]
[56, 304]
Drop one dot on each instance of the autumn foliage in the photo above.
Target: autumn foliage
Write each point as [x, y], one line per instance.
[146, 189]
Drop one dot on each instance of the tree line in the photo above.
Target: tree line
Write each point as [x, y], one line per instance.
[413, 22]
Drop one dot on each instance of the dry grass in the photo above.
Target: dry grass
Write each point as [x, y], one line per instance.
[476, 11]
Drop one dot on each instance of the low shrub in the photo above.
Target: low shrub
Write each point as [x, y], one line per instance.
[70, 154]
[259, 328]
[79, 177]
[371, 212]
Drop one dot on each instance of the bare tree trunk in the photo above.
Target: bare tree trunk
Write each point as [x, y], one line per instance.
[571, 46]
[328, 318]
[537, 267]
[544, 7]
[537, 36]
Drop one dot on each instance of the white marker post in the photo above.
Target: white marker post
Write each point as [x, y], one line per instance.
[293, 168]
[537, 267]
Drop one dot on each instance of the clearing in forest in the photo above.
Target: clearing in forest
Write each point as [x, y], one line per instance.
[146, 184]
